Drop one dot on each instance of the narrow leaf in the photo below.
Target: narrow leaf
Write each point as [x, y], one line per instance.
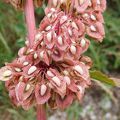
[97, 75]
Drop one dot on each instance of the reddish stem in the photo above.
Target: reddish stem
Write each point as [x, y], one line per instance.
[30, 20]
[41, 113]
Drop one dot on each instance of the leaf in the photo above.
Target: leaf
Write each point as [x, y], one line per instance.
[99, 76]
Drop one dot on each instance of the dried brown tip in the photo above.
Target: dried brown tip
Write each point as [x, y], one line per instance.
[19, 4]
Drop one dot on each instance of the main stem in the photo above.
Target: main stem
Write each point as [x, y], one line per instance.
[30, 21]
[31, 28]
[41, 113]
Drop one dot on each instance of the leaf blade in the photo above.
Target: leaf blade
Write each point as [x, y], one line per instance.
[97, 75]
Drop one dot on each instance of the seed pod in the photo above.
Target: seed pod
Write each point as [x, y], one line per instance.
[73, 49]
[56, 80]
[32, 69]
[43, 90]
[19, 4]
[78, 69]
[38, 3]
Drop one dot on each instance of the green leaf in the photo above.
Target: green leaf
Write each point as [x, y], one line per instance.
[99, 76]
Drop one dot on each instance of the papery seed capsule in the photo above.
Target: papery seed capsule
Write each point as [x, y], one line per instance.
[49, 36]
[83, 42]
[35, 55]
[48, 28]
[74, 25]
[18, 4]
[49, 52]
[85, 15]
[37, 36]
[7, 73]
[38, 3]
[81, 2]
[73, 49]
[21, 78]
[52, 9]
[25, 63]
[55, 2]
[62, 1]
[90, 3]
[63, 19]
[55, 34]
[42, 54]
[70, 32]
[78, 69]
[50, 85]
[27, 87]
[98, 2]
[56, 80]
[49, 15]
[17, 69]
[27, 42]
[32, 69]
[67, 80]
[43, 89]
[32, 78]
[93, 17]
[73, 41]
[56, 52]
[80, 88]
[60, 41]
[66, 72]
[50, 74]
[92, 27]
[42, 43]
[31, 50]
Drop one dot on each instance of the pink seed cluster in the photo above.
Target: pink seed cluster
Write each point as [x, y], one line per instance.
[54, 70]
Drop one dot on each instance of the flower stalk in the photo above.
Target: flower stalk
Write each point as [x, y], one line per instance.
[41, 113]
[30, 20]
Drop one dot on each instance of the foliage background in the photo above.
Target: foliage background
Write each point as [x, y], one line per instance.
[106, 56]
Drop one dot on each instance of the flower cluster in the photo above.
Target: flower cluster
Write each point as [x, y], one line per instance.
[54, 70]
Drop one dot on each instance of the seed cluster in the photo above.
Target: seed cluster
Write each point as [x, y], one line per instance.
[54, 70]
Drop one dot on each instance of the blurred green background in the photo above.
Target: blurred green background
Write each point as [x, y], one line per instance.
[106, 55]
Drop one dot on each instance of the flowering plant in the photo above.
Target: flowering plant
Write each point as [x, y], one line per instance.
[51, 68]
